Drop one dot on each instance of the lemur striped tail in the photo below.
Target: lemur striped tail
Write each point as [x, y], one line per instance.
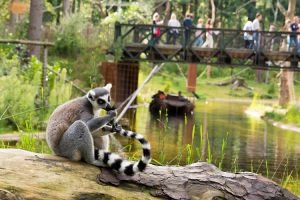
[117, 163]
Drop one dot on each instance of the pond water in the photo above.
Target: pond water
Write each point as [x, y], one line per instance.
[251, 144]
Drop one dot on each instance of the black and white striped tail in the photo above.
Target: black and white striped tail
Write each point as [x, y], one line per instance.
[117, 163]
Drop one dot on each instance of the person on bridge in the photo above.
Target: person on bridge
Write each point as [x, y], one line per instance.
[199, 34]
[248, 38]
[187, 24]
[256, 29]
[173, 33]
[156, 30]
[294, 27]
[272, 28]
[209, 42]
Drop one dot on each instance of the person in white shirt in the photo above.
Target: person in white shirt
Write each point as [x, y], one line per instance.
[256, 29]
[248, 38]
[209, 42]
[173, 33]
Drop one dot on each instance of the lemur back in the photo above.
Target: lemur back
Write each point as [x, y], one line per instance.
[71, 127]
[64, 116]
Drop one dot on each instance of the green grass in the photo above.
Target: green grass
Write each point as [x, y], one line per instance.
[28, 142]
[292, 115]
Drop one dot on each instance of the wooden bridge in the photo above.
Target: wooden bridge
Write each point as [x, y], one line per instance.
[135, 42]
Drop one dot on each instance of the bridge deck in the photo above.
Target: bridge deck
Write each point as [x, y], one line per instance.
[169, 50]
[271, 51]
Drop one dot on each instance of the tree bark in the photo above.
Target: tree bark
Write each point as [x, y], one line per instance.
[184, 8]
[201, 181]
[12, 20]
[158, 7]
[291, 9]
[66, 7]
[213, 11]
[35, 25]
[213, 18]
[167, 12]
[287, 93]
[99, 5]
[195, 8]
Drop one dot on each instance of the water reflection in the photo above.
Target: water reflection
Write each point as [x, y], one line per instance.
[250, 142]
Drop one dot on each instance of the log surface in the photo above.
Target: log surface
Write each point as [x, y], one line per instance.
[203, 181]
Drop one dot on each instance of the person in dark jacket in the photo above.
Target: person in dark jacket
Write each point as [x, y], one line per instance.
[294, 27]
[187, 24]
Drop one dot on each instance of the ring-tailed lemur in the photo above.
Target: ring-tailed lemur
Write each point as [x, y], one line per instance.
[72, 126]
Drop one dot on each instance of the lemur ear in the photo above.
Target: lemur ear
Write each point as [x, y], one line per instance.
[108, 86]
[91, 95]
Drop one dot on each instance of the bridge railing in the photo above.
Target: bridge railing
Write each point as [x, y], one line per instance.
[215, 46]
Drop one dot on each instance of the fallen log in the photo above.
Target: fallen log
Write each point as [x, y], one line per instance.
[201, 181]
[28, 175]
[236, 82]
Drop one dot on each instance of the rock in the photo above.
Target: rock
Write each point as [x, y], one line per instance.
[28, 175]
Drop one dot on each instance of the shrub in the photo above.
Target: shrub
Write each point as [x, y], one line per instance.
[18, 96]
[69, 38]
[61, 91]
[21, 95]
[293, 115]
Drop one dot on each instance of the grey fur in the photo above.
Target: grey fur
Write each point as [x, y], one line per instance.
[72, 133]
[69, 129]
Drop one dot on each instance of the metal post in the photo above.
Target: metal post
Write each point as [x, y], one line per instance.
[117, 31]
[44, 74]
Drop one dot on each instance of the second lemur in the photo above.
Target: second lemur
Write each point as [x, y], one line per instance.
[72, 127]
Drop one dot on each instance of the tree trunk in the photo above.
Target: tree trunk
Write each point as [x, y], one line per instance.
[66, 7]
[35, 25]
[201, 181]
[287, 93]
[12, 20]
[100, 8]
[167, 12]
[213, 12]
[213, 18]
[158, 7]
[208, 71]
[184, 8]
[291, 9]
[195, 8]
[259, 76]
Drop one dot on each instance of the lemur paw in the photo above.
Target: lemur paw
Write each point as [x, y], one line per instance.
[112, 113]
[116, 127]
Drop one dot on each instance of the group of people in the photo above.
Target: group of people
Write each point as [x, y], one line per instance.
[293, 39]
[252, 35]
[252, 39]
[173, 33]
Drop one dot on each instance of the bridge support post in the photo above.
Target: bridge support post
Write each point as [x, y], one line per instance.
[123, 76]
[192, 77]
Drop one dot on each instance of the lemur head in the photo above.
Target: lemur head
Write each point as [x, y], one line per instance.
[100, 97]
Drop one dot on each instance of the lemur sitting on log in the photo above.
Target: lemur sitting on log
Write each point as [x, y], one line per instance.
[73, 125]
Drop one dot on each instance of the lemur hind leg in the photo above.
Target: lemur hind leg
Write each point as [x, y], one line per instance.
[101, 142]
[77, 143]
